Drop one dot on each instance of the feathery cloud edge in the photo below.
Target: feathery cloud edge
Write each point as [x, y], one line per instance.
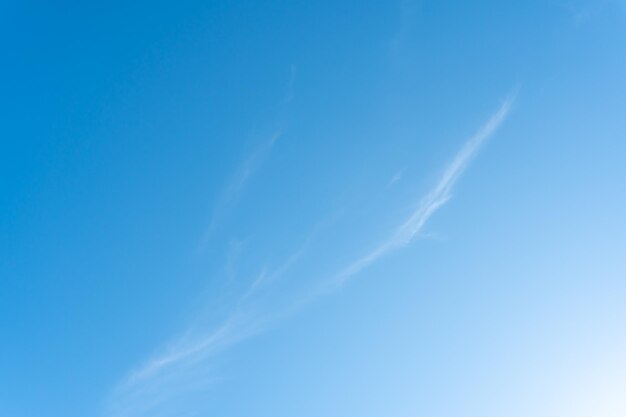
[435, 199]
[239, 327]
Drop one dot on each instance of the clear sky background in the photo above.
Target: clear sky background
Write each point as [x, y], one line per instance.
[328, 208]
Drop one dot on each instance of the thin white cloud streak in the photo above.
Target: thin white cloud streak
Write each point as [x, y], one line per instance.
[170, 377]
[408, 12]
[238, 182]
[435, 199]
[264, 278]
[397, 177]
[167, 378]
[146, 386]
[227, 330]
[291, 90]
[159, 380]
[150, 385]
[252, 162]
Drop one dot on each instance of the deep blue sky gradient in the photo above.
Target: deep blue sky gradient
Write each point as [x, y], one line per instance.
[141, 195]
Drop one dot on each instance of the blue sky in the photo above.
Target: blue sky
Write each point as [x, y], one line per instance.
[313, 208]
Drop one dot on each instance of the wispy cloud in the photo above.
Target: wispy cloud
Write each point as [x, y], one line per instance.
[291, 85]
[186, 363]
[408, 12]
[239, 180]
[396, 177]
[436, 198]
[252, 162]
[184, 368]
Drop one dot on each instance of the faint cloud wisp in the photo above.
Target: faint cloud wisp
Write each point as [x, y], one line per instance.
[185, 365]
[238, 182]
[436, 198]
